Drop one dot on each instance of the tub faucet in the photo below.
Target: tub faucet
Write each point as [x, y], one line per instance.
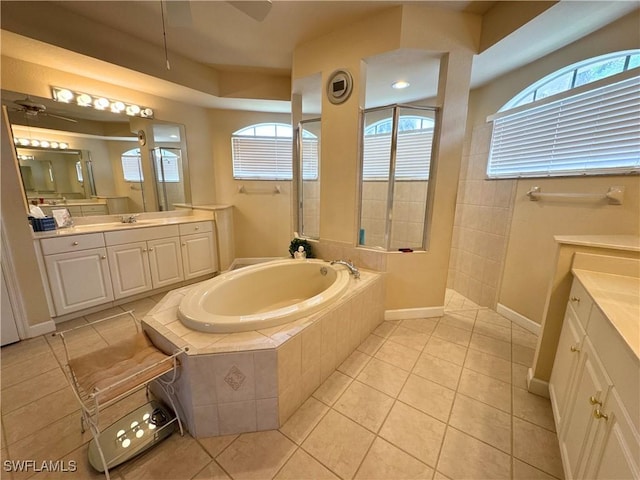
[354, 271]
[130, 218]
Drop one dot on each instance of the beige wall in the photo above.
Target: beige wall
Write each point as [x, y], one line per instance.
[262, 220]
[414, 280]
[504, 248]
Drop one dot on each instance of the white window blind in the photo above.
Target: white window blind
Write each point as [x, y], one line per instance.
[310, 158]
[594, 132]
[262, 158]
[131, 167]
[413, 155]
[167, 166]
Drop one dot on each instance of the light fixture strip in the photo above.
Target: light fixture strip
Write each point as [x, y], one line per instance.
[36, 143]
[65, 95]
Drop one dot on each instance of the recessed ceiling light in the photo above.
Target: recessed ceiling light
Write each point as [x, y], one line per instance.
[400, 84]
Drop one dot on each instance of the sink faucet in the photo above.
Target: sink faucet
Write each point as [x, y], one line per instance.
[130, 218]
[352, 268]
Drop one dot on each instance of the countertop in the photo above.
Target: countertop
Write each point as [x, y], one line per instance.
[113, 224]
[618, 296]
[615, 242]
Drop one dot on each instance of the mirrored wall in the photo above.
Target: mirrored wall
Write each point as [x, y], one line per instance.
[90, 168]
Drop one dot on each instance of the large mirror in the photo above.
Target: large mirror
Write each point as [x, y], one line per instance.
[93, 162]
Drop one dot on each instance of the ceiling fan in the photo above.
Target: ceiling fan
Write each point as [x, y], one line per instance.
[33, 109]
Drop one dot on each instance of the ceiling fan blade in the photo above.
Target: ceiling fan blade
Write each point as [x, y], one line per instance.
[257, 10]
[61, 117]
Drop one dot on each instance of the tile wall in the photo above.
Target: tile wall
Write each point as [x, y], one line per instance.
[484, 209]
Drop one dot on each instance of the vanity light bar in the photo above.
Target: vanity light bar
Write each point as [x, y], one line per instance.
[65, 95]
[32, 142]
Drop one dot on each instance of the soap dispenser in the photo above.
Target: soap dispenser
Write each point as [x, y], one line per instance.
[300, 254]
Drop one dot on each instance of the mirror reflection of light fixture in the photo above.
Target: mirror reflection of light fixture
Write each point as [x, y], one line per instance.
[35, 143]
[65, 95]
[400, 84]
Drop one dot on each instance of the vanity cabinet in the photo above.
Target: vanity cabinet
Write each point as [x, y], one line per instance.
[594, 388]
[139, 266]
[77, 271]
[198, 249]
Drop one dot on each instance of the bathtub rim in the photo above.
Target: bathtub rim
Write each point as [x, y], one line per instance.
[190, 307]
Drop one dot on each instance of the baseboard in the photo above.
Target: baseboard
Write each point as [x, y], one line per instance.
[420, 312]
[518, 319]
[537, 386]
[41, 329]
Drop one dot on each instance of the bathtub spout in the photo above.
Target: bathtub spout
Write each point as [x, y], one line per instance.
[352, 268]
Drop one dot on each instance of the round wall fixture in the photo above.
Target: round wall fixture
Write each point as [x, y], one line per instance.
[142, 138]
[339, 86]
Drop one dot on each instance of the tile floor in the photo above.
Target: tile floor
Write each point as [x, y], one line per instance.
[429, 398]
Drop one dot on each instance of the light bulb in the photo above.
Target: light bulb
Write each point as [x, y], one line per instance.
[35, 143]
[400, 84]
[133, 110]
[120, 433]
[117, 107]
[147, 113]
[55, 145]
[64, 95]
[139, 433]
[84, 100]
[100, 103]
[63, 145]
[45, 144]
[126, 442]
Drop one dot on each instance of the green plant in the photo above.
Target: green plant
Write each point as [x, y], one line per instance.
[297, 242]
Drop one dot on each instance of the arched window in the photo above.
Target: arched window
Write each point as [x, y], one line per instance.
[581, 120]
[263, 152]
[131, 165]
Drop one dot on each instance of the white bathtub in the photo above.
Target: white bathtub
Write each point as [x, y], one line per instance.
[262, 296]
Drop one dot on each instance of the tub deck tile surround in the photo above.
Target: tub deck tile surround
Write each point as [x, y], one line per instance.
[251, 381]
[301, 448]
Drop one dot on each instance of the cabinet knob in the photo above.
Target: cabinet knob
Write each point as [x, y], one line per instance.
[575, 299]
[103, 257]
[594, 401]
[144, 250]
[74, 243]
[598, 414]
[184, 244]
[151, 249]
[197, 228]
[574, 349]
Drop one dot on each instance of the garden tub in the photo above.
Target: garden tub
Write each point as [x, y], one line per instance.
[262, 296]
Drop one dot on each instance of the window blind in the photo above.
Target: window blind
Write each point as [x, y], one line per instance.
[413, 155]
[594, 132]
[310, 158]
[131, 168]
[262, 158]
[169, 173]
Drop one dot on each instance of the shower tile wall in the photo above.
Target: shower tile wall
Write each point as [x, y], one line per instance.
[481, 229]
[408, 213]
[311, 212]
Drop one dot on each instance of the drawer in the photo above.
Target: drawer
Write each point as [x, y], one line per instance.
[144, 234]
[94, 209]
[581, 302]
[195, 227]
[70, 243]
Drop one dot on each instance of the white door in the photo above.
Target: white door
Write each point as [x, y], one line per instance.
[198, 255]
[165, 261]
[130, 267]
[79, 279]
[8, 330]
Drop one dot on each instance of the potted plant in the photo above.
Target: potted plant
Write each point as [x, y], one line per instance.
[300, 242]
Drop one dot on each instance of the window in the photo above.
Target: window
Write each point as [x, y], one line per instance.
[167, 164]
[396, 159]
[131, 166]
[79, 172]
[415, 136]
[263, 152]
[581, 120]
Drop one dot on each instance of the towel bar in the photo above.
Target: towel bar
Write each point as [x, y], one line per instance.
[614, 195]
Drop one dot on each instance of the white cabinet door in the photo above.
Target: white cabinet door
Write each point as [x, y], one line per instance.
[198, 255]
[565, 364]
[591, 386]
[130, 269]
[79, 279]
[165, 261]
[616, 450]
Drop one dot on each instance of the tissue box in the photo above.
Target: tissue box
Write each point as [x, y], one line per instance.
[43, 224]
